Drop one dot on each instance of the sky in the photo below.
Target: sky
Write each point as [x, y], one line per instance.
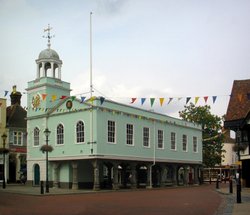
[141, 48]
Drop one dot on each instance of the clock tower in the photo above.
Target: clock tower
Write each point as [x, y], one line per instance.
[47, 90]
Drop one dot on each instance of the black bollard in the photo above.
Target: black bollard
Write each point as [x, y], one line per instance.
[238, 193]
[230, 186]
[42, 188]
[217, 183]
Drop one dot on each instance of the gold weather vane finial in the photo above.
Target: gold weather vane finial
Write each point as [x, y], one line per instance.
[48, 36]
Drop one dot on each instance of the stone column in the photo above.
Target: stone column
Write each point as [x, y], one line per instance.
[38, 71]
[43, 69]
[133, 176]
[174, 179]
[56, 174]
[75, 175]
[115, 179]
[52, 69]
[59, 71]
[96, 185]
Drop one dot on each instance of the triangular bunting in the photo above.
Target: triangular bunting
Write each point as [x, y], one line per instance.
[143, 100]
[82, 99]
[152, 100]
[5, 93]
[44, 96]
[53, 98]
[102, 100]
[214, 99]
[73, 98]
[205, 98]
[133, 100]
[161, 101]
[170, 99]
[196, 99]
[63, 97]
[188, 99]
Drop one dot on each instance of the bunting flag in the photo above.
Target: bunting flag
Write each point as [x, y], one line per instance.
[205, 99]
[82, 99]
[0, 104]
[152, 100]
[63, 97]
[92, 98]
[143, 100]
[214, 99]
[170, 99]
[161, 101]
[44, 96]
[102, 100]
[53, 98]
[196, 99]
[132, 100]
[6, 93]
[188, 99]
[73, 98]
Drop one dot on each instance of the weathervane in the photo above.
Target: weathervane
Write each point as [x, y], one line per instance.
[48, 36]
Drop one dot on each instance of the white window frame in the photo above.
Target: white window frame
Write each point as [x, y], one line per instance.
[146, 137]
[184, 143]
[77, 132]
[17, 138]
[173, 141]
[158, 139]
[36, 136]
[128, 135]
[112, 132]
[58, 138]
[195, 144]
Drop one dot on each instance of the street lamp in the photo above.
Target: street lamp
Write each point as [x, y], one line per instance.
[47, 133]
[238, 175]
[4, 151]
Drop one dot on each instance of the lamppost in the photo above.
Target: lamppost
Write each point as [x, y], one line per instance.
[4, 151]
[238, 175]
[47, 133]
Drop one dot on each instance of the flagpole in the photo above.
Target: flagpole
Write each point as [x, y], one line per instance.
[91, 85]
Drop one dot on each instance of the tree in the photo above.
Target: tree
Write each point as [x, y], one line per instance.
[212, 137]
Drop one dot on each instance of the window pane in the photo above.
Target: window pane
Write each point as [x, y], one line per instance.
[111, 131]
[195, 144]
[80, 132]
[184, 142]
[60, 134]
[160, 139]
[129, 134]
[173, 145]
[146, 137]
[36, 137]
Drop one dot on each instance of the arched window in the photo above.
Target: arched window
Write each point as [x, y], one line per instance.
[36, 136]
[60, 134]
[80, 132]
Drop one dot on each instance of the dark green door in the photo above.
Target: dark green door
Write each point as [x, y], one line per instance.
[36, 175]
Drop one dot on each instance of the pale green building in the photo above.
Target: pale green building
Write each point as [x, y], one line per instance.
[103, 144]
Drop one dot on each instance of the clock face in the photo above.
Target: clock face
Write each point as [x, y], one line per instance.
[36, 101]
